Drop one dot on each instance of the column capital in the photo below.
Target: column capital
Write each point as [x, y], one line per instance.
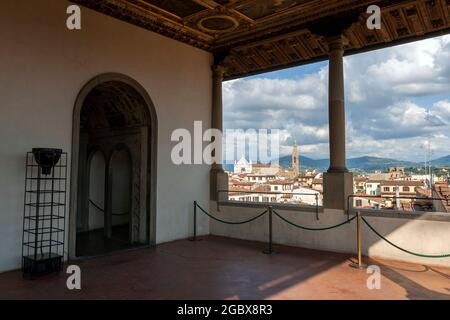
[218, 71]
[335, 43]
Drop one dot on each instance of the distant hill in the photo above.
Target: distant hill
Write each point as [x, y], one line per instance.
[373, 163]
[442, 162]
[365, 163]
[305, 162]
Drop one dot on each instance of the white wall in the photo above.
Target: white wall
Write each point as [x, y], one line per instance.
[422, 236]
[43, 66]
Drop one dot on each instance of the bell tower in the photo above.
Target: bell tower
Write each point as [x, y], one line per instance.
[295, 160]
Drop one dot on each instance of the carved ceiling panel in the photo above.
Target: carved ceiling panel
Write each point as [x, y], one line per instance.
[251, 36]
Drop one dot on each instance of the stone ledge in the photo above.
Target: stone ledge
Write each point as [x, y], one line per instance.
[279, 206]
[415, 215]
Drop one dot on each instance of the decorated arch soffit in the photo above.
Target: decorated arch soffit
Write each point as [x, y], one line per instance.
[251, 36]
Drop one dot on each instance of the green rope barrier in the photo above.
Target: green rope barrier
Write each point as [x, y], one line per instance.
[313, 229]
[232, 222]
[96, 206]
[404, 250]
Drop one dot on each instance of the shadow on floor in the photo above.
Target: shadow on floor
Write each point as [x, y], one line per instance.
[223, 268]
[414, 290]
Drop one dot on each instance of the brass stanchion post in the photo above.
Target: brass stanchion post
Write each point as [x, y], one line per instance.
[359, 264]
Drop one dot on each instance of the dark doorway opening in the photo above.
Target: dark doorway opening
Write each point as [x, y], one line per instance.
[113, 191]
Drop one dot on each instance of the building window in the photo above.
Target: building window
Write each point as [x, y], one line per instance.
[406, 189]
[265, 199]
[275, 188]
[256, 199]
[359, 203]
[387, 189]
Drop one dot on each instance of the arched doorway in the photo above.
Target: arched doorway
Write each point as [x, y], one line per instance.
[121, 177]
[113, 181]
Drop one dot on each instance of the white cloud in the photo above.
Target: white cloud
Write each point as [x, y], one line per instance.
[443, 109]
[388, 93]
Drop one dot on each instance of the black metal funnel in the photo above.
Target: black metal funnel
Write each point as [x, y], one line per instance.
[46, 158]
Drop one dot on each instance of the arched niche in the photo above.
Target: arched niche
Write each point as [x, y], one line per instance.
[114, 112]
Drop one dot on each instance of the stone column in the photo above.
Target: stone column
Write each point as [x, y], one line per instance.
[338, 182]
[336, 105]
[218, 178]
[108, 201]
[83, 184]
[217, 105]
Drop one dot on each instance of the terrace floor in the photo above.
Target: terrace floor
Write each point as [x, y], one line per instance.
[223, 268]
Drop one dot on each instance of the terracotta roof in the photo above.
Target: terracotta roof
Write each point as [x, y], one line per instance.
[423, 192]
[281, 182]
[368, 197]
[262, 188]
[242, 184]
[235, 190]
[306, 175]
[402, 183]
[264, 165]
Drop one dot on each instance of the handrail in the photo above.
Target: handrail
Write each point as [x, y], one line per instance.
[316, 195]
[349, 208]
[266, 192]
[96, 206]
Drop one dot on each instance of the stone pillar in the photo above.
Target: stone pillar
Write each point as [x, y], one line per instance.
[108, 199]
[83, 185]
[338, 182]
[218, 178]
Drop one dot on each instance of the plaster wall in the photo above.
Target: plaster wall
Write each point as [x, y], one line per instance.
[43, 67]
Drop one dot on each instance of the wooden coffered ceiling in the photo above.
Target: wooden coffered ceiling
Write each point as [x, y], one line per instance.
[252, 36]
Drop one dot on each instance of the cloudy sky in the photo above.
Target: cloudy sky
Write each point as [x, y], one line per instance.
[396, 99]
